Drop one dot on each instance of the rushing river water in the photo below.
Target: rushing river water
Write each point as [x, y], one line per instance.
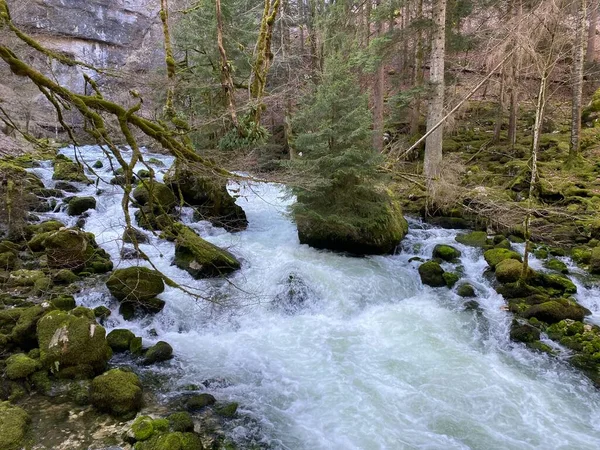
[371, 359]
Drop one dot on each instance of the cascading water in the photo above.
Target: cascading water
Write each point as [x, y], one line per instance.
[325, 351]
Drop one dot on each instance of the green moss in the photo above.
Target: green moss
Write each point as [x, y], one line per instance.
[496, 255]
[509, 271]
[157, 195]
[473, 239]
[41, 382]
[432, 274]
[135, 284]
[556, 265]
[229, 410]
[541, 253]
[24, 277]
[102, 312]
[120, 339]
[446, 252]
[171, 441]
[67, 170]
[98, 165]
[14, 422]
[198, 257]
[450, 278]
[117, 392]
[64, 302]
[66, 340]
[595, 260]
[8, 261]
[20, 366]
[556, 310]
[65, 276]
[524, 333]
[142, 428]
[79, 205]
[466, 290]
[79, 392]
[199, 401]
[159, 352]
[181, 421]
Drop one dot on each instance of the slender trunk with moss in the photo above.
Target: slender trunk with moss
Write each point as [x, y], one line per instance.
[590, 55]
[226, 79]
[501, 106]
[169, 59]
[378, 98]
[418, 76]
[577, 81]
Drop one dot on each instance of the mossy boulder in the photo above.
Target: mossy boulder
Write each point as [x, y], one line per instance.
[72, 340]
[553, 282]
[473, 239]
[198, 257]
[446, 252]
[64, 302]
[98, 165]
[199, 401]
[24, 277]
[171, 441]
[155, 195]
[120, 339]
[132, 235]
[102, 312]
[496, 255]
[556, 265]
[524, 333]
[334, 227]
[208, 194]
[68, 170]
[181, 421]
[159, 352]
[144, 427]
[595, 261]
[450, 278]
[19, 366]
[118, 393]
[79, 205]
[64, 276]
[150, 220]
[556, 310]
[509, 271]
[135, 284]
[229, 410]
[8, 261]
[75, 250]
[466, 290]
[581, 255]
[14, 423]
[432, 274]
[19, 326]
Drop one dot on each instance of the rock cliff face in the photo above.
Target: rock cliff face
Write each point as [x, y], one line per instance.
[123, 36]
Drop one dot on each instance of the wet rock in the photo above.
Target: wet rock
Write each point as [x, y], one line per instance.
[117, 392]
[14, 423]
[229, 410]
[79, 205]
[67, 187]
[102, 312]
[98, 165]
[157, 196]
[509, 271]
[19, 366]
[135, 284]
[128, 253]
[198, 257]
[556, 310]
[131, 235]
[8, 261]
[175, 440]
[294, 296]
[432, 274]
[79, 392]
[494, 256]
[473, 239]
[120, 339]
[450, 278]
[73, 340]
[48, 193]
[446, 252]
[135, 346]
[68, 170]
[208, 194]
[181, 421]
[76, 250]
[466, 290]
[595, 260]
[64, 302]
[148, 219]
[65, 276]
[159, 352]
[524, 333]
[197, 402]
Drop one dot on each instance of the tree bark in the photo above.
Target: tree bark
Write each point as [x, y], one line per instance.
[415, 113]
[169, 58]
[577, 80]
[590, 55]
[433, 144]
[226, 79]
[378, 94]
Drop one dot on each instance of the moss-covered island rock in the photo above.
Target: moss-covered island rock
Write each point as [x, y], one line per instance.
[67, 170]
[135, 284]
[446, 253]
[198, 257]
[117, 392]
[79, 205]
[496, 255]
[432, 274]
[14, 422]
[155, 195]
[72, 343]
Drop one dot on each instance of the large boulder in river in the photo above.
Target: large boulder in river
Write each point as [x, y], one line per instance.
[67, 170]
[73, 343]
[156, 195]
[79, 205]
[208, 194]
[74, 249]
[135, 284]
[432, 274]
[494, 256]
[118, 393]
[200, 258]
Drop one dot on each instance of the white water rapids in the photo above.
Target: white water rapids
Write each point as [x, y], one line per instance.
[371, 360]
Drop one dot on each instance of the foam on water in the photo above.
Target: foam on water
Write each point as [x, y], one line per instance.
[371, 360]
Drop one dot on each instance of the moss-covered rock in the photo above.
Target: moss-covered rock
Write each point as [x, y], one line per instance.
[556, 265]
[135, 346]
[495, 255]
[595, 260]
[473, 239]
[142, 428]
[8, 261]
[14, 422]
[102, 312]
[450, 278]
[150, 220]
[159, 352]
[466, 290]
[554, 282]
[68, 170]
[24, 277]
[64, 302]
[446, 252]
[79, 205]
[117, 392]
[432, 274]
[75, 250]
[132, 235]
[69, 340]
[509, 271]
[64, 276]
[98, 165]
[171, 441]
[229, 410]
[79, 392]
[198, 257]
[120, 339]
[135, 284]
[524, 333]
[199, 401]
[20, 366]
[207, 194]
[581, 255]
[155, 195]
[181, 421]
[556, 310]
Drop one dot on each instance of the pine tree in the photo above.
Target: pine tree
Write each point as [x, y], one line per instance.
[346, 207]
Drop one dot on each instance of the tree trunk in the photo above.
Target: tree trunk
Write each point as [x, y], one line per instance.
[169, 58]
[378, 94]
[435, 111]
[415, 114]
[500, 115]
[226, 80]
[577, 81]
[590, 55]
